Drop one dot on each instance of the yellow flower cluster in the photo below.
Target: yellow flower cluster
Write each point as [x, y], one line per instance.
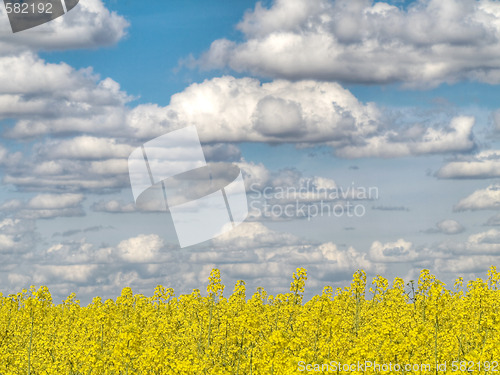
[386, 326]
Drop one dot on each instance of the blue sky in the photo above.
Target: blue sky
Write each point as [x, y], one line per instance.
[146, 62]
[319, 95]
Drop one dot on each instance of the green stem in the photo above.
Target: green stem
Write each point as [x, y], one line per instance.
[29, 348]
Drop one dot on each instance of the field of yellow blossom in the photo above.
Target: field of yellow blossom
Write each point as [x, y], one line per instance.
[380, 328]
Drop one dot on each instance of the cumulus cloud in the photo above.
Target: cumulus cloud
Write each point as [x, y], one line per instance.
[252, 251]
[265, 254]
[362, 41]
[85, 147]
[77, 180]
[478, 244]
[229, 103]
[73, 165]
[56, 98]
[255, 235]
[450, 227]
[221, 152]
[473, 265]
[17, 237]
[141, 249]
[90, 24]
[483, 199]
[6, 242]
[279, 188]
[259, 178]
[493, 221]
[81, 129]
[447, 227]
[287, 194]
[485, 242]
[456, 137]
[393, 252]
[485, 164]
[51, 201]
[224, 109]
[45, 206]
[78, 274]
[152, 201]
[114, 206]
[477, 254]
[227, 109]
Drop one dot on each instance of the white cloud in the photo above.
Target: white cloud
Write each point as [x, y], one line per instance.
[17, 237]
[399, 251]
[477, 254]
[485, 164]
[483, 199]
[228, 109]
[348, 260]
[253, 235]
[252, 251]
[473, 265]
[76, 181]
[256, 244]
[79, 274]
[457, 137]
[366, 42]
[256, 176]
[141, 249]
[75, 252]
[41, 172]
[266, 256]
[46, 206]
[11, 204]
[90, 24]
[58, 100]
[60, 81]
[114, 206]
[85, 147]
[18, 281]
[110, 167]
[224, 109]
[50, 214]
[221, 152]
[450, 227]
[54, 201]
[447, 227]
[306, 113]
[6, 242]
[82, 130]
[493, 221]
[485, 242]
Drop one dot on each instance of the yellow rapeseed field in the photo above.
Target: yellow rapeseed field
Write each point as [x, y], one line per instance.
[382, 328]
